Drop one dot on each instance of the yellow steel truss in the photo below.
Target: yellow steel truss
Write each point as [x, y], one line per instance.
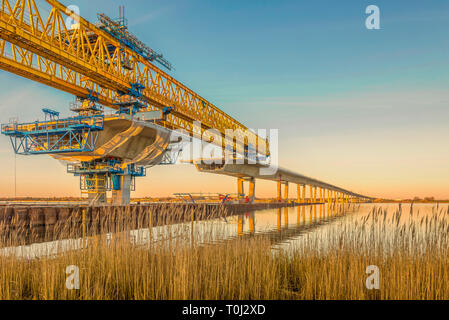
[87, 59]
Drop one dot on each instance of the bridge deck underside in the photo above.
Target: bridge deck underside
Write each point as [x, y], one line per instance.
[135, 142]
[263, 172]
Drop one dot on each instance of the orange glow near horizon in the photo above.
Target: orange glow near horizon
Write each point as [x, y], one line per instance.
[46, 178]
[392, 162]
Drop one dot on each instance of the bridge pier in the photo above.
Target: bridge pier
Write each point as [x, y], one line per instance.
[282, 177]
[241, 189]
[252, 190]
[301, 193]
[121, 193]
[279, 191]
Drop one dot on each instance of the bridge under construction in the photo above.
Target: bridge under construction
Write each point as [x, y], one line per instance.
[105, 66]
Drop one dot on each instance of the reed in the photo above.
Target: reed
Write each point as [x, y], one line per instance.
[410, 249]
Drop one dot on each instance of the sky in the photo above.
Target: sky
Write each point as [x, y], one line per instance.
[367, 110]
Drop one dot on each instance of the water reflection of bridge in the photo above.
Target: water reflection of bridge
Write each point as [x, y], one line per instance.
[307, 219]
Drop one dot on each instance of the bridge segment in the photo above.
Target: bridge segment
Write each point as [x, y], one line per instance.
[318, 191]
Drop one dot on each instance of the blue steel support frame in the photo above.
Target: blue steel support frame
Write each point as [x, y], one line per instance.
[56, 136]
[109, 168]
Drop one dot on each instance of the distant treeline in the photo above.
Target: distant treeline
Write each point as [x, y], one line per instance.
[410, 201]
[41, 199]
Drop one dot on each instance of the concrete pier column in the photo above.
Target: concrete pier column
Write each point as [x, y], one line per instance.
[279, 193]
[252, 190]
[304, 187]
[241, 189]
[121, 193]
[299, 194]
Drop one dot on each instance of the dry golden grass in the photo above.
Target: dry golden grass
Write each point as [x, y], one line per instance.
[411, 252]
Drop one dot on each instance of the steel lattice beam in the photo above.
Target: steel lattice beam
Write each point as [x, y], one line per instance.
[88, 59]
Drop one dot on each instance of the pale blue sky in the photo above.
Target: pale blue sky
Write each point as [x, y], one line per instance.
[357, 107]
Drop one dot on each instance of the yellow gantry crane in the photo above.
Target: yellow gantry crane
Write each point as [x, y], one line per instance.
[104, 65]
[91, 62]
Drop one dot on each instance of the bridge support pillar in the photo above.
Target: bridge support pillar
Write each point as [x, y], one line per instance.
[252, 190]
[304, 194]
[301, 198]
[279, 193]
[241, 189]
[121, 193]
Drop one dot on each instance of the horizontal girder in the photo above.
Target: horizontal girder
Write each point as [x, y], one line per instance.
[279, 175]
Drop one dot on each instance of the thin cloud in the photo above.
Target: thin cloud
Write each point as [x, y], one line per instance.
[150, 16]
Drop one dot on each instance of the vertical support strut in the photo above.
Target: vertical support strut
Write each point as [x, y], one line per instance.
[286, 192]
[279, 191]
[311, 194]
[304, 194]
[241, 189]
[252, 190]
[122, 195]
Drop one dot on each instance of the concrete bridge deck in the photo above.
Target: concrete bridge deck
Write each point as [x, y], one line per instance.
[251, 172]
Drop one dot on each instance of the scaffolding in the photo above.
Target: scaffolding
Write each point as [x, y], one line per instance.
[77, 134]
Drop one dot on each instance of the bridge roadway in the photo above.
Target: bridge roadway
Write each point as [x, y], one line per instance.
[251, 172]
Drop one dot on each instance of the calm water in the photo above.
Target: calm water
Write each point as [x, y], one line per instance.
[285, 228]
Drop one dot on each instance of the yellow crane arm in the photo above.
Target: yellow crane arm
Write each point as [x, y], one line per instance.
[88, 59]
